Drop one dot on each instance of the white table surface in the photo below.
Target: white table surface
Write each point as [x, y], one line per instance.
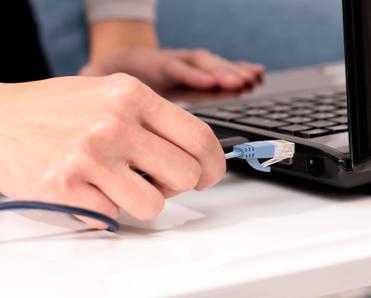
[247, 237]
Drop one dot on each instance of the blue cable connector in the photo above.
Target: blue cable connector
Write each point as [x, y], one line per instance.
[274, 151]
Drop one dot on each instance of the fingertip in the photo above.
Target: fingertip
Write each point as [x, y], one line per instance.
[216, 174]
[183, 74]
[260, 67]
[206, 184]
[230, 81]
[94, 200]
[248, 75]
[94, 223]
[251, 67]
[204, 81]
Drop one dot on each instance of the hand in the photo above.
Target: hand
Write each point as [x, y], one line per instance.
[79, 141]
[164, 69]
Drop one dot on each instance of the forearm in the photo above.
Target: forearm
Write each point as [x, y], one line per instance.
[109, 36]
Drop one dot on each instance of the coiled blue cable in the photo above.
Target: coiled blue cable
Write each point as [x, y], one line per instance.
[113, 225]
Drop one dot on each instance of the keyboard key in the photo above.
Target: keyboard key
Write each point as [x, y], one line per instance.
[307, 97]
[302, 104]
[280, 108]
[258, 104]
[284, 100]
[342, 120]
[217, 114]
[325, 93]
[329, 100]
[313, 133]
[341, 93]
[299, 120]
[321, 123]
[236, 108]
[343, 105]
[342, 112]
[276, 116]
[302, 112]
[322, 116]
[293, 128]
[255, 112]
[325, 108]
[260, 122]
[338, 128]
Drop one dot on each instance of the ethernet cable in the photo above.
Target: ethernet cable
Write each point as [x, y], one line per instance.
[274, 151]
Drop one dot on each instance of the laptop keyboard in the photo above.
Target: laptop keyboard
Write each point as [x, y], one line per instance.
[306, 116]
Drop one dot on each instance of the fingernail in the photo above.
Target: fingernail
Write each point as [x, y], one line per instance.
[247, 75]
[260, 67]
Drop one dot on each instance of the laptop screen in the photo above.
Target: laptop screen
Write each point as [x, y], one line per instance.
[357, 33]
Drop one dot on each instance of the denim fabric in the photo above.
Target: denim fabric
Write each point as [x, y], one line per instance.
[280, 34]
[63, 32]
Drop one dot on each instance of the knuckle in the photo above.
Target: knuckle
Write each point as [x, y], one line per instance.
[200, 53]
[218, 173]
[204, 139]
[133, 83]
[111, 129]
[124, 92]
[189, 177]
[153, 208]
[102, 207]
[118, 77]
[58, 183]
[103, 134]
[214, 174]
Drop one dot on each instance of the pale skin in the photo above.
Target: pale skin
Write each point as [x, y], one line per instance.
[132, 47]
[81, 141]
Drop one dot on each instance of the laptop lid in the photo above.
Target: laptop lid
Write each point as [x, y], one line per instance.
[357, 35]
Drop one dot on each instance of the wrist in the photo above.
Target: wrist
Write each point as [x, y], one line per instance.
[112, 36]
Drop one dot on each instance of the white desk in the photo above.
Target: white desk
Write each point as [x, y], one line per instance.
[244, 238]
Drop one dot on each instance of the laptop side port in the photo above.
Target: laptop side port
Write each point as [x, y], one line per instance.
[315, 166]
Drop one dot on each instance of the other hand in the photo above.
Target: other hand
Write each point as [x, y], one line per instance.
[163, 69]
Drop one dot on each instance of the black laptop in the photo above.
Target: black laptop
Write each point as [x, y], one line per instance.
[330, 126]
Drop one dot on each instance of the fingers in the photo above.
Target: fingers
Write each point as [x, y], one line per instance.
[172, 169]
[69, 186]
[191, 135]
[258, 70]
[182, 73]
[128, 190]
[227, 74]
[93, 199]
